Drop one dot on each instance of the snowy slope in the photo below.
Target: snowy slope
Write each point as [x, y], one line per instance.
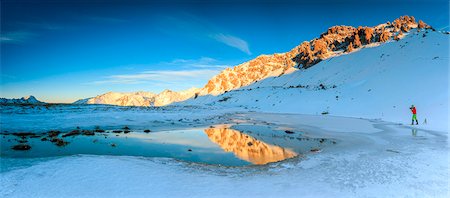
[334, 42]
[380, 82]
[167, 96]
[23, 100]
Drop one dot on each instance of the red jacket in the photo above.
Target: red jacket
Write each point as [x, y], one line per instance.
[414, 110]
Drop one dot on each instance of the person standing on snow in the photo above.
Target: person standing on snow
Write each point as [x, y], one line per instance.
[414, 117]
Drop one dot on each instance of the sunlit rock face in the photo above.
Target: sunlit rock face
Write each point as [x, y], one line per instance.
[246, 73]
[335, 41]
[246, 147]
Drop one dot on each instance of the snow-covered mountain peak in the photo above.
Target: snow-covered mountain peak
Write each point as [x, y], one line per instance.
[30, 99]
[24, 100]
[140, 98]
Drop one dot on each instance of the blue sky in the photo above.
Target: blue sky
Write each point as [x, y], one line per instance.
[61, 51]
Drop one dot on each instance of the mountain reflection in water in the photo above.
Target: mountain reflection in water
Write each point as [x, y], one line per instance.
[248, 148]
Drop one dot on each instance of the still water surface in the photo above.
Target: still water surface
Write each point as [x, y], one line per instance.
[220, 146]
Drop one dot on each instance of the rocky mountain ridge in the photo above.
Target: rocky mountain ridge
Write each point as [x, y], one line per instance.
[337, 40]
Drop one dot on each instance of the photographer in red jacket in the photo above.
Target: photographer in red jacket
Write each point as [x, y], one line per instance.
[414, 117]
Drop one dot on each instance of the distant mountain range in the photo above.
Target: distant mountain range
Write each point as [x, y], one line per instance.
[336, 41]
[23, 100]
[140, 98]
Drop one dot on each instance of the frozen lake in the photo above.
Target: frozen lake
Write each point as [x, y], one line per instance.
[369, 158]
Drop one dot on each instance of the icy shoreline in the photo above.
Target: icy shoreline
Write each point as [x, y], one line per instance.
[66, 117]
[373, 159]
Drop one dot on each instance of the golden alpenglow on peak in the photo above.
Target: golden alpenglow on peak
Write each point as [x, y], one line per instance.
[336, 41]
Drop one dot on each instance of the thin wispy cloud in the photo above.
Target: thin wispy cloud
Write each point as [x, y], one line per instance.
[158, 76]
[203, 62]
[26, 31]
[16, 37]
[195, 27]
[233, 41]
[34, 29]
[189, 71]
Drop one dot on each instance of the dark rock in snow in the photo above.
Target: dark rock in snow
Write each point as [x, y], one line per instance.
[117, 131]
[72, 133]
[23, 134]
[21, 147]
[147, 131]
[289, 132]
[321, 86]
[189, 150]
[59, 142]
[87, 132]
[53, 133]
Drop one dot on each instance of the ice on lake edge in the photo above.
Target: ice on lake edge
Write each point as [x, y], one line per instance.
[360, 166]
